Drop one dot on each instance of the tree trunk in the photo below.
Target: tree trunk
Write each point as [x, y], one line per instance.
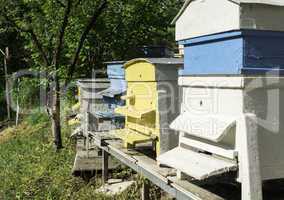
[55, 118]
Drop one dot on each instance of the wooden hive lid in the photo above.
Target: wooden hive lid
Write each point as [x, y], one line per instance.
[156, 61]
[152, 69]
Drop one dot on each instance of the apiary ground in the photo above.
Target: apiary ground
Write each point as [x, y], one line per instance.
[31, 169]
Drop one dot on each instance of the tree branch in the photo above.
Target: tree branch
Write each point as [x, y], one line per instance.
[3, 53]
[62, 29]
[55, 110]
[39, 46]
[84, 35]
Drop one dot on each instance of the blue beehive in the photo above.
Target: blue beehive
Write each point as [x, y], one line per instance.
[117, 89]
[234, 52]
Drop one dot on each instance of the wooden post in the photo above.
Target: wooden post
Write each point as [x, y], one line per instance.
[7, 93]
[145, 190]
[18, 106]
[249, 158]
[105, 157]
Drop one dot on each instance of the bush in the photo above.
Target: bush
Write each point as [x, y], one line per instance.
[37, 117]
[27, 93]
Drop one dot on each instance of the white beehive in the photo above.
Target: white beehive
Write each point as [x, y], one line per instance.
[231, 113]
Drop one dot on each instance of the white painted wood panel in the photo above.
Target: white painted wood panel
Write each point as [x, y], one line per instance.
[212, 127]
[266, 103]
[262, 17]
[249, 157]
[203, 17]
[197, 165]
[259, 95]
[268, 2]
[213, 148]
[212, 81]
[204, 101]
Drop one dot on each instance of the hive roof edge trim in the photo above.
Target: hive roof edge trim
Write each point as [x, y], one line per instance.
[170, 61]
[267, 2]
[115, 62]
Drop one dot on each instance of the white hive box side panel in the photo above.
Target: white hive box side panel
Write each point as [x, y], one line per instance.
[204, 17]
[168, 106]
[263, 96]
[196, 20]
[262, 17]
[207, 95]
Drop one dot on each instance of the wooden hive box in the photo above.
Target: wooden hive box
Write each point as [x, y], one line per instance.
[234, 53]
[92, 104]
[151, 103]
[92, 109]
[112, 95]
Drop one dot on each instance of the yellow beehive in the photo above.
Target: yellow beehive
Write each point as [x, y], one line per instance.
[151, 103]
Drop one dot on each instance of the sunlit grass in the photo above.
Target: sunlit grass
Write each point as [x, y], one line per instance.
[30, 168]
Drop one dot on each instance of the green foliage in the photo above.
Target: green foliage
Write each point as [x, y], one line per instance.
[70, 94]
[27, 92]
[123, 25]
[129, 24]
[37, 117]
[30, 168]
[9, 37]
[30, 28]
[19, 56]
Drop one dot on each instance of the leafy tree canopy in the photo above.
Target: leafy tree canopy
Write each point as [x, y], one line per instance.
[123, 25]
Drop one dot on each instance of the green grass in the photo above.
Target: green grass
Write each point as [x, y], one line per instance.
[30, 168]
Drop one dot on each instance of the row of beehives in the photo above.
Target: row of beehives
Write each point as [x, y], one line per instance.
[228, 114]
